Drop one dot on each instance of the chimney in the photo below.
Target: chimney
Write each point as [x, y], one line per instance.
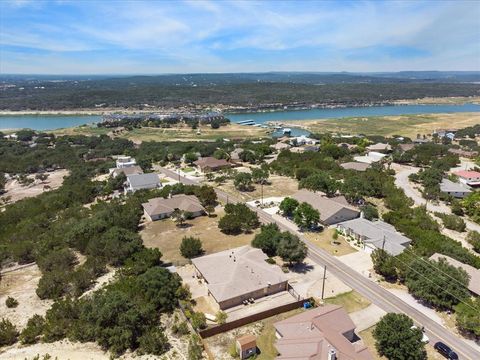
[332, 354]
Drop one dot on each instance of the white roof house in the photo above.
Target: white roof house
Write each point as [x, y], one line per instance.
[370, 158]
[304, 140]
[142, 181]
[375, 235]
[125, 161]
[458, 190]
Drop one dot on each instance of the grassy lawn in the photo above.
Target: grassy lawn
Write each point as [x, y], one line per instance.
[188, 169]
[166, 236]
[367, 337]
[279, 186]
[406, 125]
[351, 301]
[325, 241]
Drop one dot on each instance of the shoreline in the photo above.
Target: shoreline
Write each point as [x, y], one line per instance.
[240, 109]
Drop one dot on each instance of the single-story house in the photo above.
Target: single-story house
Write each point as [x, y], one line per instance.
[380, 147]
[357, 166]
[463, 153]
[375, 235]
[131, 170]
[370, 158]
[279, 146]
[246, 346]
[347, 146]
[458, 190]
[304, 140]
[236, 275]
[142, 181]
[473, 273]
[125, 161]
[332, 210]
[323, 333]
[471, 178]
[406, 147]
[207, 164]
[161, 208]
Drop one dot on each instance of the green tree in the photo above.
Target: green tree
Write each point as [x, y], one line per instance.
[8, 333]
[467, 317]
[437, 283]
[207, 195]
[11, 302]
[260, 176]
[268, 239]
[243, 182]
[190, 157]
[195, 348]
[396, 340]
[33, 330]
[320, 182]
[238, 218]
[191, 247]
[199, 321]
[370, 212]
[291, 248]
[473, 238]
[472, 206]
[153, 341]
[221, 317]
[305, 216]
[288, 206]
[179, 217]
[384, 264]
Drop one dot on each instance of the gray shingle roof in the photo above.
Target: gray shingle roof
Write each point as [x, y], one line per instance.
[450, 186]
[160, 206]
[141, 181]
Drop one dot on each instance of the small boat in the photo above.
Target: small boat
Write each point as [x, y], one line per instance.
[286, 131]
[247, 122]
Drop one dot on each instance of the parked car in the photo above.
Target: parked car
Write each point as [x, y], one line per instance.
[425, 338]
[445, 351]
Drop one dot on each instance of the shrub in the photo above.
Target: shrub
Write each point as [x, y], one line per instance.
[33, 330]
[11, 302]
[195, 348]
[198, 320]
[191, 247]
[8, 333]
[153, 342]
[181, 329]
[452, 222]
[221, 317]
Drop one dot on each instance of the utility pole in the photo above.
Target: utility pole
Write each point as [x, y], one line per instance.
[383, 244]
[262, 191]
[324, 277]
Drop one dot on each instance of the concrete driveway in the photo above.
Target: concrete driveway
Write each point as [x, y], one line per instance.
[359, 261]
[365, 318]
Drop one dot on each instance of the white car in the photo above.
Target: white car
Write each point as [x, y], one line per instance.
[425, 338]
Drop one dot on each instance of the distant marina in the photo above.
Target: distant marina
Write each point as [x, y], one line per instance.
[260, 119]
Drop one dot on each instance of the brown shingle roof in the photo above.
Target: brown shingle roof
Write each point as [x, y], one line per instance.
[212, 163]
[247, 341]
[310, 335]
[355, 166]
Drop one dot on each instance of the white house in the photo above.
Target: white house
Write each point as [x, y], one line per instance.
[458, 190]
[471, 178]
[125, 161]
[142, 181]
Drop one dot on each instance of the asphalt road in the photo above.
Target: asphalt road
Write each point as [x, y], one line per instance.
[367, 288]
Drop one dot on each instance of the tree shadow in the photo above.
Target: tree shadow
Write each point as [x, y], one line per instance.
[301, 268]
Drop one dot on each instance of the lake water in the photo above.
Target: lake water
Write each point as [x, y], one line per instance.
[51, 122]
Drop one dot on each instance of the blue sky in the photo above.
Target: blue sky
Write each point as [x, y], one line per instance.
[155, 37]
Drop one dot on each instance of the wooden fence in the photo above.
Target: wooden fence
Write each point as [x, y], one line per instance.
[217, 329]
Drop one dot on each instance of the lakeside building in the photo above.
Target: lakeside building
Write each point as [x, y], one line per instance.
[370, 158]
[323, 333]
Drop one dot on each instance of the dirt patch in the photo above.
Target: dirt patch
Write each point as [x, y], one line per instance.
[278, 186]
[221, 345]
[21, 285]
[167, 237]
[16, 191]
[325, 241]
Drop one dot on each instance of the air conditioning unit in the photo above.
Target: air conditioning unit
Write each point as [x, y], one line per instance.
[332, 354]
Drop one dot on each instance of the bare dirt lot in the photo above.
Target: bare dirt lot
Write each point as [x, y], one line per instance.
[278, 186]
[166, 236]
[21, 285]
[325, 241]
[16, 191]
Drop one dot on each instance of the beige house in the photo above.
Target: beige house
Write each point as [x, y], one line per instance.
[380, 147]
[160, 208]
[324, 333]
[208, 164]
[357, 166]
[130, 170]
[236, 275]
[332, 210]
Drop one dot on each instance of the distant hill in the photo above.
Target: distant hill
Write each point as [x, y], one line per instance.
[253, 90]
